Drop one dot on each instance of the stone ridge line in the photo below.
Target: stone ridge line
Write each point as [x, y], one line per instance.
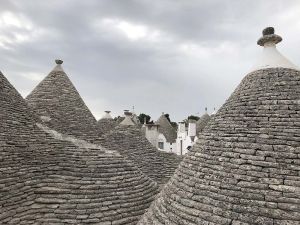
[77, 142]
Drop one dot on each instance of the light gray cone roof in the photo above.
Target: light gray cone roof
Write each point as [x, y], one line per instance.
[244, 168]
[127, 121]
[202, 122]
[132, 143]
[62, 181]
[57, 101]
[166, 129]
[106, 123]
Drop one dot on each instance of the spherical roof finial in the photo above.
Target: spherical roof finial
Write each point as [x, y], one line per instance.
[58, 61]
[268, 31]
[269, 36]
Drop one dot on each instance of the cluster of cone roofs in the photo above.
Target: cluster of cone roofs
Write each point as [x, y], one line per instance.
[58, 165]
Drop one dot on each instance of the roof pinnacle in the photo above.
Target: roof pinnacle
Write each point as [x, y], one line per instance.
[58, 61]
[269, 36]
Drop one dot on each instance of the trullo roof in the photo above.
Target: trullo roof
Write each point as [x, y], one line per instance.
[132, 143]
[202, 122]
[166, 128]
[244, 168]
[63, 180]
[60, 106]
[106, 123]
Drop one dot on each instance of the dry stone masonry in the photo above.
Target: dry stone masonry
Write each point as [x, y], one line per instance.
[50, 178]
[60, 106]
[131, 143]
[245, 168]
[202, 122]
[106, 123]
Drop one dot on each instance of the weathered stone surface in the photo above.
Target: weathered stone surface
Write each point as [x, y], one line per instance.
[202, 122]
[62, 180]
[105, 125]
[244, 168]
[131, 143]
[61, 108]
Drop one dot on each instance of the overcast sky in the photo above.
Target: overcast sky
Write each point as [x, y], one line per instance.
[173, 56]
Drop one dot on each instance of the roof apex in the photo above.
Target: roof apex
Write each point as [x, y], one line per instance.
[271, 57]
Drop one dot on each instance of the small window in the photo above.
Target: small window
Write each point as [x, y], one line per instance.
[160, 145]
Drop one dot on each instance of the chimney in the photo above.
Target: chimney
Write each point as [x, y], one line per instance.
[181, 127]
[192, 129]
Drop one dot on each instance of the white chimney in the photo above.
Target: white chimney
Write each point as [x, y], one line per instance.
[181, 127]
[152, 133]
[192, 129]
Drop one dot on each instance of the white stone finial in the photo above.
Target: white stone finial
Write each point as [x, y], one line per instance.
[271, 57]
[107, 115]
[58, 66]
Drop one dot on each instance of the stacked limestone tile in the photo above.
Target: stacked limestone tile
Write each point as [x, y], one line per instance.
[245, 168]
[128, 139]
[106, 123]
[50, 178]
[57, 102]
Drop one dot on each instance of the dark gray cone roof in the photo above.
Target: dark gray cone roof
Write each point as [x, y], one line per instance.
[202, 122]
[131, 142]
[245, 166]
[46, 181]
[166, 129]
[61, 107]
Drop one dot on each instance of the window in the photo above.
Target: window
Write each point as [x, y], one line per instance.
[160, 145]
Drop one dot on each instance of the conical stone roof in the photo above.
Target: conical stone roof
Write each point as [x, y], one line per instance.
[63, 180]
[132, 143]
[106, 123]
[202, 122]
[244, 168]
[166, 129]
[60, 106]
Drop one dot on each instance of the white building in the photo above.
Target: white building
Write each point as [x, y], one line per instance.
[186, 137]
[162, 135]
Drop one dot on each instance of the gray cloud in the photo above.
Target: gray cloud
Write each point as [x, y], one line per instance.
[160, 56]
